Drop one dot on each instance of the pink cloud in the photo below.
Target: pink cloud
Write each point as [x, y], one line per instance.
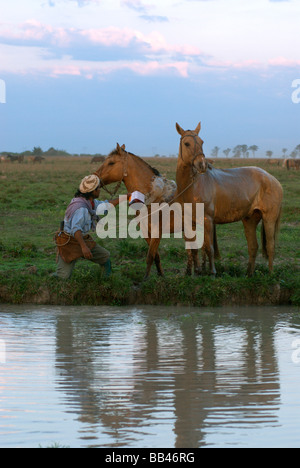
[34, 31]
[283, 62]
[109, 37]
[148, 54]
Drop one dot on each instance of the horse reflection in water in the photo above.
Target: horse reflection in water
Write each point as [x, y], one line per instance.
[127, 375]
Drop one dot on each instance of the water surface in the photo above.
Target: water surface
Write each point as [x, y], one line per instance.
[149, 377]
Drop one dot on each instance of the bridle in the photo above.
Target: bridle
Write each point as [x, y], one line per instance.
[196, 154]
[125, 169]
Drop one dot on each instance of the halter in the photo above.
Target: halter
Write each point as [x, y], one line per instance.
[125, 168]
[200, 153]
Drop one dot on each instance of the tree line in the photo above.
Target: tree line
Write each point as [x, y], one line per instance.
[51, 152]
[244, 151]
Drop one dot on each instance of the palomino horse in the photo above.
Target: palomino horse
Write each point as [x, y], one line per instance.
[137, 174]
[247, 194]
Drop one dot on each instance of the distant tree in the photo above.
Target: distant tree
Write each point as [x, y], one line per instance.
[237, 151]
[215, 152]
[253, 148]
[244, 149]
[269, 153]
[284, 150]
[226, 152]
[298, 149]
[37, 151]
[240, 150]
[294, 154]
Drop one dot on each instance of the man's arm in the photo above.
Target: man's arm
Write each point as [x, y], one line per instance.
[116, 201]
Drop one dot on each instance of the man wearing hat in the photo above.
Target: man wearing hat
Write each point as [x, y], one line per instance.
[73, 241]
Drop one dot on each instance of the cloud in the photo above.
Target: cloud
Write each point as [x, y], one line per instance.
[100, 51]
[80, 3]
[136, 5]
[72, 41]
[154, 18]
[56, 50]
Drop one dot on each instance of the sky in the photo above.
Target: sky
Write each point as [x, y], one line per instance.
[82, 75]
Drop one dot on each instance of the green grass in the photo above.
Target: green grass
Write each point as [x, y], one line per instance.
[33, 200]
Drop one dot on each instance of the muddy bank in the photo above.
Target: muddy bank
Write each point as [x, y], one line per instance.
[216, 295]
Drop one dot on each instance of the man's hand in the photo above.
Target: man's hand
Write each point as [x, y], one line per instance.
[120, 199]
[86, 252]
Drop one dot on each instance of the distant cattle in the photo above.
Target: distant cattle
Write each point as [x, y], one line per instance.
[2, 159]
[38, 159]
[97, 159]
[274, 162]
[12, 159]
[291, 163]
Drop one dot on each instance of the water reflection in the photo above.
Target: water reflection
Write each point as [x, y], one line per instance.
[168, 377]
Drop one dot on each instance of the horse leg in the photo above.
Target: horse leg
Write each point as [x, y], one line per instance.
[156, 259]
[189, 265]
[250, 225]
[204, 258]
[209, 244]
[216, 251]
[153, 256]
[268, 238]
[197, 266]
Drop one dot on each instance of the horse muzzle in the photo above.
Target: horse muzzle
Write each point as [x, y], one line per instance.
[200, 165]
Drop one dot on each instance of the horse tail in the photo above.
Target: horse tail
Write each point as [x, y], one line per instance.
[278, 223]
[264, 237]
[264, 241]
[216, 247]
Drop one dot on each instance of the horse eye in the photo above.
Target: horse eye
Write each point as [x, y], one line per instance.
[187, 144]
[111, 163]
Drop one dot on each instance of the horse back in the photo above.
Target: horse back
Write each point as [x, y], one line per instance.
[233, 194]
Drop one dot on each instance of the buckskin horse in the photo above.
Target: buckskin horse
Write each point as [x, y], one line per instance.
[122, 166]
[247, 194]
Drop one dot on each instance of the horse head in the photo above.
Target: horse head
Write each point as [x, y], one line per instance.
[113, 168]
[191, 148]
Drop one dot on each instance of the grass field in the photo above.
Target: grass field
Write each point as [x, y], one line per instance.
[33, 199]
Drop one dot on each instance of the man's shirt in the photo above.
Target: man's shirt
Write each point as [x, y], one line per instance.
[82, 220]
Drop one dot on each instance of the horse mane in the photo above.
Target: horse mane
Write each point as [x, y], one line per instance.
[153, 169]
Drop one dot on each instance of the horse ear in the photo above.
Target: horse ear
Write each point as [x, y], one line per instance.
[198, 128]
[123, 147]
[119, 148]
[179, 129]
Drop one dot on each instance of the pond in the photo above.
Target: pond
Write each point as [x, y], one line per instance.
[149, 377]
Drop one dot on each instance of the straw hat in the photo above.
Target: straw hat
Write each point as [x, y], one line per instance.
[89, 184]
